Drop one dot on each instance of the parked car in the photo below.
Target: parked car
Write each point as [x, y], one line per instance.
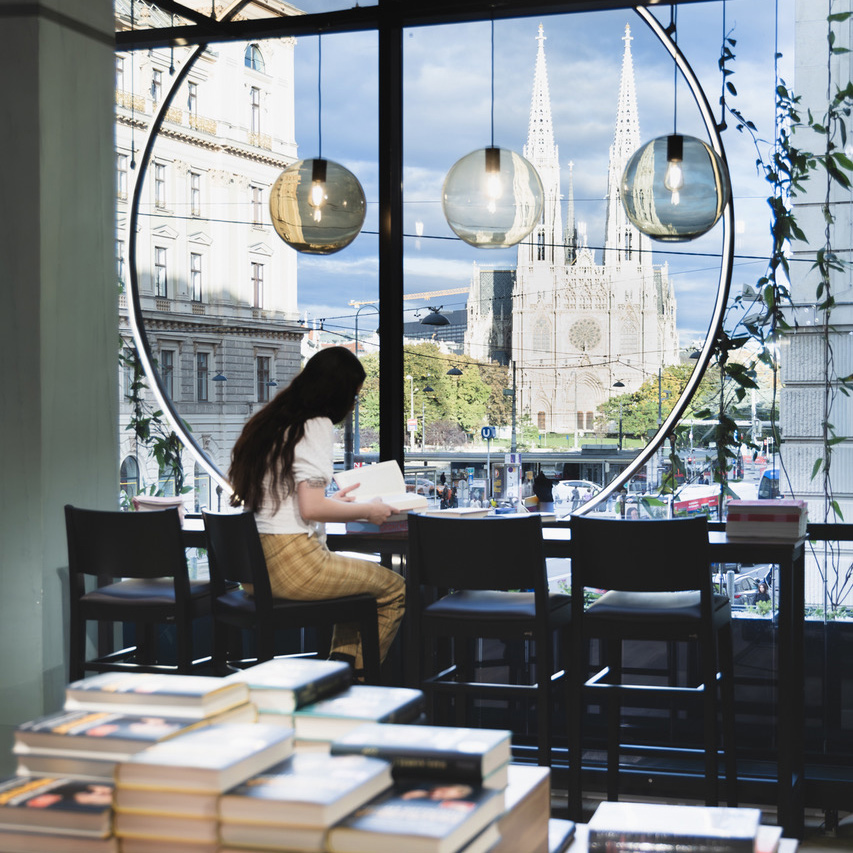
[421, 486]
[563, 490]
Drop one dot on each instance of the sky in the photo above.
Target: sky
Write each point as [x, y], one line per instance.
[447, 115]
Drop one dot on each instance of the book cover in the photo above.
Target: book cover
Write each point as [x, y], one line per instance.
[178, 696]
[311, 789]
[100, 769]
[165, 801]
[214, 758]
[27, 841]
[285, 684]
[458, 512]
[331, 718]
[97, 733]
[56, 804]
[383, 480]
[657, 827]
[447, 752]
[386, 527]
[425, 817]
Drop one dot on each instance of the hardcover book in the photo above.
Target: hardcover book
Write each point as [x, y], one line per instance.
[445, 752]
[165, 801]
[56, 804]
[285, 684]
[524, 823]
[165, 828]
[331, 718]
[147, 845]
[96, 733]
[27, 841]
[214, 758]
[383, 480]
[309, 789]
[629, 827]
[250, 837]
[426, 817]
[458, 512]
[187, 697]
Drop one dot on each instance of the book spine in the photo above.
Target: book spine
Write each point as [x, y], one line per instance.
[321, 688]
[601, 841]
[407, 763]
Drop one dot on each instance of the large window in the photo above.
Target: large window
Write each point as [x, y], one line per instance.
[256, 110]
[253, 58]
[192, 98]
[195, 194]
[262, 372]
[257, 205]
[167, 371]
[161, 281]
[195, 276]
[159, 185]
[156, 86]
[202, 376]
[258, 284]
[120, 271]
[122, 162]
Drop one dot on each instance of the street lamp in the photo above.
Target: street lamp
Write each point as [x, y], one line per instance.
[427, 390]
[356, 438]
[618, 384]
[434, 318]
[411, 408]
[507, 392]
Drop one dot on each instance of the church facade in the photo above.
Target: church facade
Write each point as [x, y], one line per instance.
[580, 324]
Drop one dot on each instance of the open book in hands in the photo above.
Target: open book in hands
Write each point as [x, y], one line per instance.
[383, 480]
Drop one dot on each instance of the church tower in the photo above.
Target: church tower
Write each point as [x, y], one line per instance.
[577, 325]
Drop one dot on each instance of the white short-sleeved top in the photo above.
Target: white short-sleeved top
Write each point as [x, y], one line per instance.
[313, 459]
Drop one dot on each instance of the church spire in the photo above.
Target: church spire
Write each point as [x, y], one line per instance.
[622, 240]
[571, 238]
[547, 239]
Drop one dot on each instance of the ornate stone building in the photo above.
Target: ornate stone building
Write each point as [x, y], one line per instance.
[579, 325]
[217, 286]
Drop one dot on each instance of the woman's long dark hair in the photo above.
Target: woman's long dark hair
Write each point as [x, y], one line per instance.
[326, 387]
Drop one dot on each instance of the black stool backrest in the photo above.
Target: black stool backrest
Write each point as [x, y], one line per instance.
[235, 553]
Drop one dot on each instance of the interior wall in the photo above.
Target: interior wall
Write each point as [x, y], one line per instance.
[58, 328]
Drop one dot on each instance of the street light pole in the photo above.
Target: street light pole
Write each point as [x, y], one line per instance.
[412, 407]
[356, 428]
[514, 443]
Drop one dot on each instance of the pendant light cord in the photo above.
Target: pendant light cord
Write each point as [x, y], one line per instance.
[673, 25]
[320, 95]
[493, 84]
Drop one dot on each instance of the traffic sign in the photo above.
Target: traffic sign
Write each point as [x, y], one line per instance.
[488, 432]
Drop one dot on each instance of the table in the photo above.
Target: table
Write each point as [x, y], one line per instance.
[790, 713]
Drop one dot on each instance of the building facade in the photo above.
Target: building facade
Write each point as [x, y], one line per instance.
[217, 285]
[579, 325]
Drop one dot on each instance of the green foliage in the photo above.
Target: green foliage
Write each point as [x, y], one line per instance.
[151, 431]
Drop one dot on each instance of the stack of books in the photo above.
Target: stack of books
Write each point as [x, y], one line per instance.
[109, 717]
[50, 814]
[639, 827]
[448, 793]
[294, 803]
[170, 792]
[778, 519]
[318, 724]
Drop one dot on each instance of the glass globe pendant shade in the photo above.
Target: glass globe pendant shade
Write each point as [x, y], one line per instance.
[492, 198]
[675, 188]
[317, 206]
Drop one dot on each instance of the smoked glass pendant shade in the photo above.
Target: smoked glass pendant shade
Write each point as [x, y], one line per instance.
[317, 206]
[675, 188]
[492, 198]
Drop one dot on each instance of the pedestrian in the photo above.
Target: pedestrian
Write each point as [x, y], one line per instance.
[543, 488]
[281, 465]
[576, 498]
[621, 500]
[762, 594]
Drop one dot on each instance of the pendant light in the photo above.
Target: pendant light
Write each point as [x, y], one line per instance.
[492, 197]
[317, 206]
[675, 187]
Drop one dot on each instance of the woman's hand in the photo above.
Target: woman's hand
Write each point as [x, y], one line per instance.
[377, 511]
[344, 494]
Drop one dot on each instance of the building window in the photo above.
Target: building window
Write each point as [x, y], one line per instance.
[579, 420]
[120, 73]
[195, 276]
[156, 86]
[540, 246]
[256, 110]
[161, 282]
[253, 58]
[257, 205]
[167, 371]
[127, 373]
[540, 421]
[263, 374]
[120, 263]
[129, 477]
[201, 376]
[121, 175]
[195, 194]
[192, 99]
[258, 284]
[159, 185]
